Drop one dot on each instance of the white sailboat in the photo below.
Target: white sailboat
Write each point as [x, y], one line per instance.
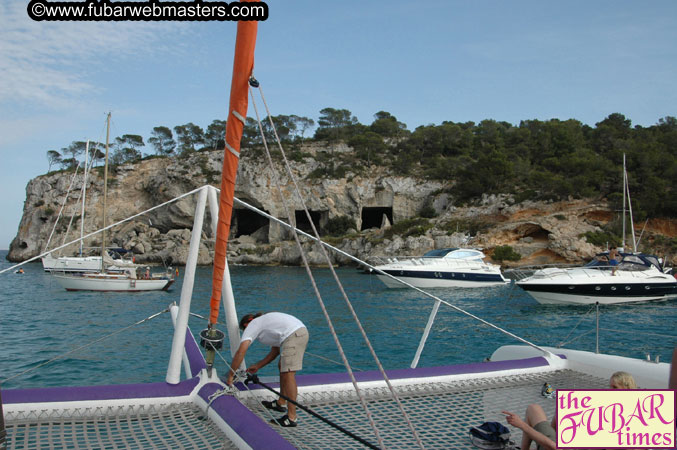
[122, 278]
[80, 263]
[413, 407]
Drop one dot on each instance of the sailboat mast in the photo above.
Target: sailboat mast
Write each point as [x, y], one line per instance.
[632, 223]
[105, 194]
[243, 66]
[625, 175]
[84, 194]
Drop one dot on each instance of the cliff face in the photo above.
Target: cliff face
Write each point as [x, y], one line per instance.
[540, 232]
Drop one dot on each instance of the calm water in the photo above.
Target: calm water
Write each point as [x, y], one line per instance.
[39, 321]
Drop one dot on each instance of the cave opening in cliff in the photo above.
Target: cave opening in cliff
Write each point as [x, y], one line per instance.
[248, 222]
[537, 233]
[372, 216]
[303, 224]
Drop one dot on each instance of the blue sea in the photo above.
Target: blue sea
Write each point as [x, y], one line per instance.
[40, 321]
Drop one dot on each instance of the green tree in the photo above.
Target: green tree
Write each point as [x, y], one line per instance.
[284, 125]
[302, 124]
[387, 125]
[74, 150]
[126, 149]
[368, 147]
[251, 135]
[189, 138]
[215, 136]
[53, 157]
[162, 141]
[335, 124]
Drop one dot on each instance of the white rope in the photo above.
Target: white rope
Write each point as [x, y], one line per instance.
[313, 283]
[338, 281]
[63, 204]
[85, 346]
[175, 199]
[377, 270]
[86, 170]
[238, 377]
[564, 341]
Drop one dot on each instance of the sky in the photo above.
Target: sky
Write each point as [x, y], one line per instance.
[423, 62]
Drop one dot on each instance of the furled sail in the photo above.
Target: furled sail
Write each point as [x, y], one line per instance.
[237, 113]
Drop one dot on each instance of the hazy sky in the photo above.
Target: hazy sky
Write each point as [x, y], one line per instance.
[424, 62]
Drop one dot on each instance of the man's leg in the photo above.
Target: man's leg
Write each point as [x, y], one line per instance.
[280, 400]
[289, 389]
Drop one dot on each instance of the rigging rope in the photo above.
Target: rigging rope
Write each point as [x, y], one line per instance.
[331, 268]
[85, 346]
[238, 378]
[312, 279]
[255, 379]
[65, 199]
[375, 269]
[564, 341]
[86, 170]
[175, 199]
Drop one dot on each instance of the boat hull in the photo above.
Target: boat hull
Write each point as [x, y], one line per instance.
[608, 294]
[439, 279]
[111, 284]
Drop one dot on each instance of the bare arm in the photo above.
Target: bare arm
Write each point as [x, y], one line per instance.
[538, 437]
[272, 354]
[237, 360]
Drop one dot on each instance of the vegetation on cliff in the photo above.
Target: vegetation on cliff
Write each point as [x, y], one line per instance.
[535, 160]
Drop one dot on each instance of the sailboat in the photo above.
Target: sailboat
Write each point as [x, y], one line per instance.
[636, 277]
[413, 407]
[122, 279]
[80, 263]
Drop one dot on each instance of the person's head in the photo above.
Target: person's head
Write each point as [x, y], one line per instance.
[248, 318]
[622, 380]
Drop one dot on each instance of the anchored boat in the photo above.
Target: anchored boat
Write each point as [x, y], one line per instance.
[121, 278]
[636, 278]
[625, 277]
[446, 267]
[411, 407]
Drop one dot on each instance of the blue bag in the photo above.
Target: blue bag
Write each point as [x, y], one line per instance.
[490, 436]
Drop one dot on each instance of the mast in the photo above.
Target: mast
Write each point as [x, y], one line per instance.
[243, 65]
[84, 194]
[105, 194]
[625, 184]
[626, 192]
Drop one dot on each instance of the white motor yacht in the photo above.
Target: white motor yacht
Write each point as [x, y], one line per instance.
[446, 267]
[637, 277]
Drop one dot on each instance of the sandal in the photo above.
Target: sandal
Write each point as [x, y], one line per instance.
[274, 405]
[284, 421]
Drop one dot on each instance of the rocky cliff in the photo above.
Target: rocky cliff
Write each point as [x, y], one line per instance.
[381, 204]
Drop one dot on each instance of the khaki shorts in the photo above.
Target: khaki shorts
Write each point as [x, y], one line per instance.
[292, 350]
[546, 429]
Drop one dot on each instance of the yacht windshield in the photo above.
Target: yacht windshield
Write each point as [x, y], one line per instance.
[439, 253]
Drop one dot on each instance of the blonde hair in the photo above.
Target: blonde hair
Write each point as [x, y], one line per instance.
[623, 380]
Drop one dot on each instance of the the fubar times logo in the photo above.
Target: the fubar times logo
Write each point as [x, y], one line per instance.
[628, 418]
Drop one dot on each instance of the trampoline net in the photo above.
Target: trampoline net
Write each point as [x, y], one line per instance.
[168, 426]
[442, 413]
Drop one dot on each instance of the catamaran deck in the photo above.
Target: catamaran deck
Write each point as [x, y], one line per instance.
[170, 426]
[442, 413]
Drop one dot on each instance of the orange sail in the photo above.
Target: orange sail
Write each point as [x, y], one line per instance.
[237, 113]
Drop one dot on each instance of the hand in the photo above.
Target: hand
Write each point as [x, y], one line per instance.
[229, 380]
[514, 419]
[253, 368]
